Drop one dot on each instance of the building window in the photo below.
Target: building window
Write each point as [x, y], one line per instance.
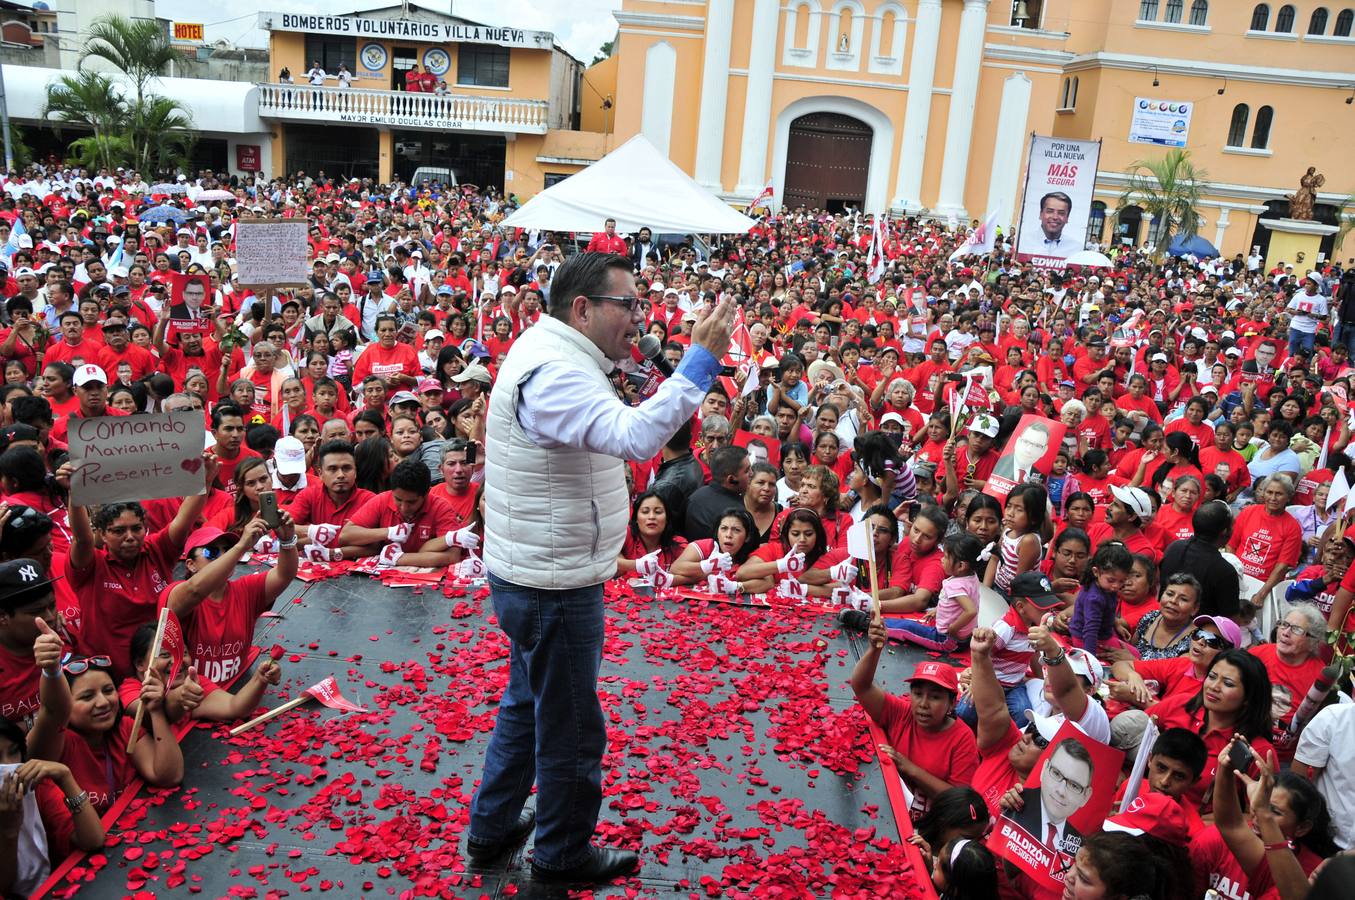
[1344, 22]
[482, 65]
[1174, 10]
[1069, 93]
[1199, 13]
[331, 51]
[1034, 10]
[1096, 223]
[1318, 23]
[1237, 128]
[1260, 136]
[1260, 17]
[1284, 21]
[1148, 10]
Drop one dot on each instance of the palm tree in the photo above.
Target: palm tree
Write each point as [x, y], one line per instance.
[138, 48]
[91, 100]
[1346, 221]
[1169, 189]
[155, 132]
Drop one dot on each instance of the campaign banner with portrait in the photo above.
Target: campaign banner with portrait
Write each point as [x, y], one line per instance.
[188, 296]
[1067, 796]
[1060, 178]
[1031, 448]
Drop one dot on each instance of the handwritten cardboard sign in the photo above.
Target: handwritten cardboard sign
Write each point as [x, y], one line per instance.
[272, 251]
[142, 457]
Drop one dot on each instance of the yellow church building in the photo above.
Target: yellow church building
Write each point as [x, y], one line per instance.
[912, 106]
[928, 105]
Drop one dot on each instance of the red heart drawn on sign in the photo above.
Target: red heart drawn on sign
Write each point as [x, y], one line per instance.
[191, 465]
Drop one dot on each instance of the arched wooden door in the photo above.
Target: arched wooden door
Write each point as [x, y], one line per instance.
[827, 162]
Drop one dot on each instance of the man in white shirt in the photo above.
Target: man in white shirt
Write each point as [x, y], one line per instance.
[564, 417]
[1054, 210]
[1331, 768]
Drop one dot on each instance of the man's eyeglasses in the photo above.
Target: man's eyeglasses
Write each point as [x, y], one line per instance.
[1213, 641]
[85, 663]
[1066, 781]
[629, 301]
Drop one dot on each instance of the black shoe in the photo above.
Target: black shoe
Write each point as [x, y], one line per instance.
[854, 619]
[606, 864]
[483, 851]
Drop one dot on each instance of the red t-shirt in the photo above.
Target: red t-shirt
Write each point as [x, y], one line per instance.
[909, 571]
[463, 507]
[1135, 543]
[951, 754]
[115, 599]
[983, 467]
[435, 519]
[60, 430]
[995, 775]
[86, 351]
[1201, 435]
[1173, 524]
[218, 632]
[1262, 541]
[226, 475]
[313, 505]
[175, 363]
[1216, 867]
[19, 682]
[140, 359]
[382, 361]
[1169, 677]
[1288, 686]
[1227, 464]
[105, 772]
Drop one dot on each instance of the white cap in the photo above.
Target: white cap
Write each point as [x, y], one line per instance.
[1136, 499]
[87, 373]
[23, 271]
[1232, 351]
[985, 424]
[25, 242]
[118, 272]
[1159, 357]
[473, 372]
[891, 417]
[290, 455]
[184, 231]
[432, 333]
[1086, 665]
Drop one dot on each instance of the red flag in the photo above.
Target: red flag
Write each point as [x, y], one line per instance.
[327, 692]
[173, 644]
[976, 397]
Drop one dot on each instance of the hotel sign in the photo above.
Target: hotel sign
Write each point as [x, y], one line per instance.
[369, 27]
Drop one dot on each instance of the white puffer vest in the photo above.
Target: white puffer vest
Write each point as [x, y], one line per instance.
[554, 519]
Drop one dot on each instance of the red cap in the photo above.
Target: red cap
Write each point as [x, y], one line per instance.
[939, 674]
[205, 537]
[1155, 814]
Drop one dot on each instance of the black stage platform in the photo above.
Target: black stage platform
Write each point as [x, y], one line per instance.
[738, 761]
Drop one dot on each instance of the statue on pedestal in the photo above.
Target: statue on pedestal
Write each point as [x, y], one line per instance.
[1301, 201]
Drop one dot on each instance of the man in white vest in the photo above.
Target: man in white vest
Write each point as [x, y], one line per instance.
[556, 508]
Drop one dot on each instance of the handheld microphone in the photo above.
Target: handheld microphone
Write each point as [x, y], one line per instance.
[651, 348]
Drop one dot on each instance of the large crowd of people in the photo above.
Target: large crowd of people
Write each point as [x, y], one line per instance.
[1183, 563]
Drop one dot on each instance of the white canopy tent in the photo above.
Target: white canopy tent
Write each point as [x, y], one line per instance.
[637, 186]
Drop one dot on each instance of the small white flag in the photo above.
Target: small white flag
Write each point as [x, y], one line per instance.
[750, 384]
[1340, 489]
[859, 542]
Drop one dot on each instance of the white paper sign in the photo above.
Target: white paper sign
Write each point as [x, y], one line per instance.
[272, 251]
[143, 457]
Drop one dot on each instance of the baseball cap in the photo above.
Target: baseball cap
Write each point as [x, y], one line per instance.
[22, 581]
[984, 424]
[1034, 588]
[1314, 278]
[891, 417]
[1086, 665]
[432, 334]
[24, 271]
[1227, 628]
[472, 347]
[290, 455]
[206, 536]
[445, 290]
[1153, 814]
[1159, 357]
[473, 372]
[1232, 351]
[939, 674]
[428, 384]
[87, 373]
[1136, 499]
[1048, 726]
[402, 397]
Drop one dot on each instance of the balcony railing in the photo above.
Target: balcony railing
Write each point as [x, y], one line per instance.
[401, 109]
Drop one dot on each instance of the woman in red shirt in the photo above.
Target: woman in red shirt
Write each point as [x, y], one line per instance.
[1235, 699]
[1094, 478]
[1193, 425]
[1150, 442]
[395, 363]
[734, 542]
[91, 733]
[803, 540]
[818, 492]
[1178, 458]
[652, 532]
[932, 749]
[1220, 459]
[1173, 520]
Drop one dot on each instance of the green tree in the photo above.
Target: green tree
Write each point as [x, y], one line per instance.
[131, 125]
[92, 101]
[1168, 189]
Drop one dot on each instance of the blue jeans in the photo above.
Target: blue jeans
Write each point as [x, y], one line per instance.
[1300, 340]
[1018, 701]
[550, 728]
[1345, 334]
